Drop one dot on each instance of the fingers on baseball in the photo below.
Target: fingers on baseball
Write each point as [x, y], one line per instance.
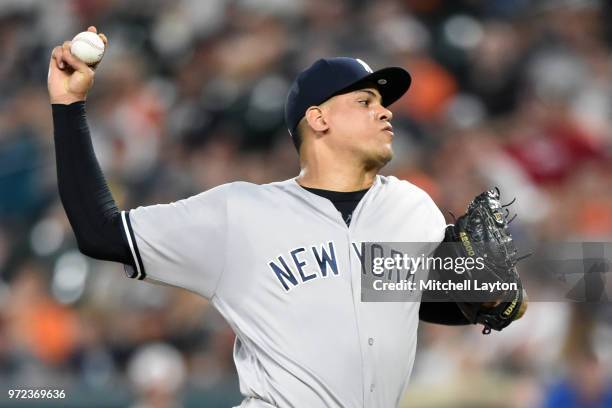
[56, 58]
[104, 39]
[73, 61]
[93, 29]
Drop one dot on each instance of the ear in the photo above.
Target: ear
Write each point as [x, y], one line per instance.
[316, 120]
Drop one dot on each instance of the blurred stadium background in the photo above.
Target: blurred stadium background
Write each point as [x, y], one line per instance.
[515, 93]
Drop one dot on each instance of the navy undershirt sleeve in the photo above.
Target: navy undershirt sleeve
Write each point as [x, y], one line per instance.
[87, 200]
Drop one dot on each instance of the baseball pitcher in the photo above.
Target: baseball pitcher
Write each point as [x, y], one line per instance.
[281, 261]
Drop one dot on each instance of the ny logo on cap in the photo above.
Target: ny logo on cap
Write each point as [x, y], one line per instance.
[364, 65]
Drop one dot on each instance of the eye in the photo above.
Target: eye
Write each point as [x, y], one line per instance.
[364, 102]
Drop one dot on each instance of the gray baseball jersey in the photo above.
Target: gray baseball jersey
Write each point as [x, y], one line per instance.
[280, 264]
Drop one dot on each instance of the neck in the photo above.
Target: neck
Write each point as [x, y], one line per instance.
[336, 175]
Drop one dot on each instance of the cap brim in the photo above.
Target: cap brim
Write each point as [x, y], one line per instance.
[392, 83]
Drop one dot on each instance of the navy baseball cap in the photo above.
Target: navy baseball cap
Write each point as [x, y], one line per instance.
[329, 77]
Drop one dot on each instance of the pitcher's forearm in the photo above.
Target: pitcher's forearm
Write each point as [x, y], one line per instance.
[87, 200]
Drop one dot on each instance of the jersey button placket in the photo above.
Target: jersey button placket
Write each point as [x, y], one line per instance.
[355, 265]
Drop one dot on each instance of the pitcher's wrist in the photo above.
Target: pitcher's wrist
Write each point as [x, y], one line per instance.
[68, 99]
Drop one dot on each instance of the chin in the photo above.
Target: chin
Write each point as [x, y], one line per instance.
[380, 160]
[386, 154]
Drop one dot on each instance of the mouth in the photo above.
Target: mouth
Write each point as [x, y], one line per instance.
[388, 129]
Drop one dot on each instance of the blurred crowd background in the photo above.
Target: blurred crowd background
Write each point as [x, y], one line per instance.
[190, 94]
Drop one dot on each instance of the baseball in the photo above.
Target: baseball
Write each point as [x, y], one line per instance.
[88, 47]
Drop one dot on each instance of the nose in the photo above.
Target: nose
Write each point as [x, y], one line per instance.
[385, 114]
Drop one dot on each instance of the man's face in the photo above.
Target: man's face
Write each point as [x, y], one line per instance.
[360, 125]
